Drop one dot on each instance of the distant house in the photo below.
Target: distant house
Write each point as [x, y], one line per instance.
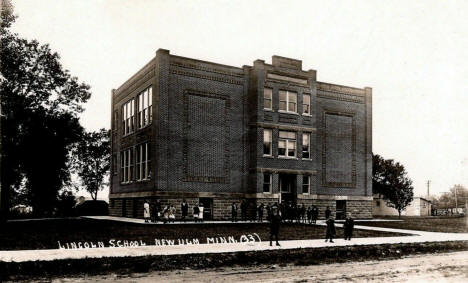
[81, 199]
[418, 207]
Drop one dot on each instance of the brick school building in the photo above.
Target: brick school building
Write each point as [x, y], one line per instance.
[209, 133]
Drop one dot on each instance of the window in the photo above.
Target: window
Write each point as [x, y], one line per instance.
[305, 184]
[126, 166]
[143, 162]
[145, 113]
[377, 203]
[267, 142]
[287, 144]
[267, 183]
[267, 98]
[306, 145]
[306, 104]
[287, 101]
[128, 117]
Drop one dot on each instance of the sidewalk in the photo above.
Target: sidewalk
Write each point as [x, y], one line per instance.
[55, 254]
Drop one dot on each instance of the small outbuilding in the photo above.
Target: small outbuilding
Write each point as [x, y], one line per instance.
[418, 207]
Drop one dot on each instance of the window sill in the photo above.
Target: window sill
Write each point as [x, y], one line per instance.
[307, 159]
[268, 110]
[288, 112]
[142, 180]
[268, 156]
[286, 157]
[306, 115]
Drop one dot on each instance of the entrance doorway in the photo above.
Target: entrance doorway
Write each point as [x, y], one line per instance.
[340, 209]
[288, 188]
[207, 208]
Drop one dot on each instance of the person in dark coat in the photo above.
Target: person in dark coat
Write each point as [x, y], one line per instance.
[327, 212]
[313, 211]
[153, 212]
[275, 220]
[234, 212]
[156, 211]
[316, 214]
[348, 227]
[184, 209]
[260, 212]
[309, 215]
[303, 213]
[253, 212]
[243, 210]
[196, 212]
[268, 210]
[331, 231]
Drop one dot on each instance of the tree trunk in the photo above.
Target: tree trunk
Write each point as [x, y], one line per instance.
[399, 214]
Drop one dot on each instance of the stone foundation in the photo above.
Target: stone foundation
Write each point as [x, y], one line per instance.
[361, 208]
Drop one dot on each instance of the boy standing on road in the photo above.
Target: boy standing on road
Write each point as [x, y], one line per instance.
[275, 220]
[348, 227]
[331, 231]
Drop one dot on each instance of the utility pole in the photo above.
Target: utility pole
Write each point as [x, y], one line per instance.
[428, 183]
[456, 201]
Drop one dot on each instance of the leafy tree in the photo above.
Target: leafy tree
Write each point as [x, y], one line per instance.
[390, 180]
[40, 103]
[92, 160]
[457, 196]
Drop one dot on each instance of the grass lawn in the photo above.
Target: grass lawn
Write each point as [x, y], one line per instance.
[432, 224]
[44, 234]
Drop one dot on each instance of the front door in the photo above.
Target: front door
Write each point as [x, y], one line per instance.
[340, 209]
[288, 188]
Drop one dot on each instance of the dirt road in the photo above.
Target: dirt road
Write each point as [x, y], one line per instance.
[449, 267]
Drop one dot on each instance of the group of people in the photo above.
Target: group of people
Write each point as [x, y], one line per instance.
[348, 227]
[290, 212]
[299, 213]
[155, 212]
[275, 214]
[248, 211]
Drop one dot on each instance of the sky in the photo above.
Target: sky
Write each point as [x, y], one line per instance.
[412, 53]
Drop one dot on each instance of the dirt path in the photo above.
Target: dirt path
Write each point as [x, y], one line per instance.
[448, 267]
